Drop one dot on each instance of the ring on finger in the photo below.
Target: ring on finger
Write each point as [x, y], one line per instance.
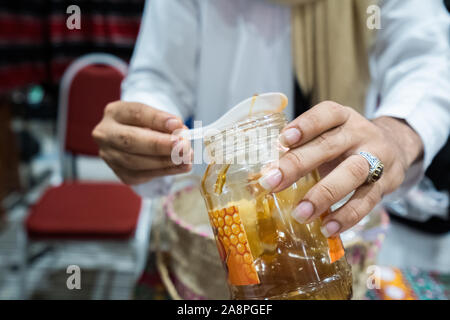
[376, 167]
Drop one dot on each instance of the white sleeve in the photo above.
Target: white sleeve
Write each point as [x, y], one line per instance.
[410, 73]
[162, 71]
[163, 67]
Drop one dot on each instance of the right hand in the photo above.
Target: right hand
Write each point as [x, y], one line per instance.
[135, 140]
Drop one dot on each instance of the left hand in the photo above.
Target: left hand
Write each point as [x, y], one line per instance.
[329, 137]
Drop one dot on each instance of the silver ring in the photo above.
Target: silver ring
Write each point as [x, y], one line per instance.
[376, 167]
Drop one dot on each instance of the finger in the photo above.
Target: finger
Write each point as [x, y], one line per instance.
[359, 205]
[140, 141]
[134, 161]
[138, 177]
[298, 162]
[312, 123]
[141, 115]
[345, 178]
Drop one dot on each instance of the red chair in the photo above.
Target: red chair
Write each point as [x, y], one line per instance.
[81, 214]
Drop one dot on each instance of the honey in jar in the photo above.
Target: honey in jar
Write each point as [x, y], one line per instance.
[267, 253]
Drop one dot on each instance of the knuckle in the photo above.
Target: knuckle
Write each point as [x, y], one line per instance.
[135, 113]
[153, 119]
[154, 146]
[326, 193]
[97, 134]
[294, 159]
[125, 140]
[354, 216]
[331, 142]
[158, 144]
[332, 106]
[312, 120]
[359, 169]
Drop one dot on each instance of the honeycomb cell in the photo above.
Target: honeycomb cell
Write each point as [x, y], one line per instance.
[234, 240]
[228, 220]
[235, 229]
[227, 230]
[221, 222]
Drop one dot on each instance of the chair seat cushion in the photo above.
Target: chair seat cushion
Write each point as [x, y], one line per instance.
[85, 210]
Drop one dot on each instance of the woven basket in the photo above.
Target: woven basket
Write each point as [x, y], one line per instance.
[193, 259]
[194, 264]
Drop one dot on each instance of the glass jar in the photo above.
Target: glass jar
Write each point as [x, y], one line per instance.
[267, 254]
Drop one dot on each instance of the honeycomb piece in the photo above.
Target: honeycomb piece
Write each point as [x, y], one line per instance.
[233, 245]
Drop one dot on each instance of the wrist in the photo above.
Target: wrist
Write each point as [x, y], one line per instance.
[406, 139]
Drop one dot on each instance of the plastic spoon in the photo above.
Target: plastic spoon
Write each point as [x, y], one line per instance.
[266, 103]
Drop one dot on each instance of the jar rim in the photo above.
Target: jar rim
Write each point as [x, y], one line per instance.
[257, 134]
[277, 119]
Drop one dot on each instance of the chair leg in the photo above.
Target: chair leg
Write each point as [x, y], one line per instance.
[23, 267]
[141, 239]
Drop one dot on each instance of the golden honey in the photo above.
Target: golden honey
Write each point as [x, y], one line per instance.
[267, 253]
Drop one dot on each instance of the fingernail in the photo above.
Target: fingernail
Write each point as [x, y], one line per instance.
[271, 179]
[303, 212]
[290, 137]
[330, 228]
[172, 124]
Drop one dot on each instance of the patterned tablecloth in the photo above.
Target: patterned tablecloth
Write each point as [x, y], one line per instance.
[395, 284]
[411, 284]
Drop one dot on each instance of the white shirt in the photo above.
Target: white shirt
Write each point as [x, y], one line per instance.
[199, 58]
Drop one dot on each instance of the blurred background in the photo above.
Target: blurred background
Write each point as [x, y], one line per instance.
[43, 143]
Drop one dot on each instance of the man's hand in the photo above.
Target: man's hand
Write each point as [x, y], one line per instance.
[329, 137]
[135, 141]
